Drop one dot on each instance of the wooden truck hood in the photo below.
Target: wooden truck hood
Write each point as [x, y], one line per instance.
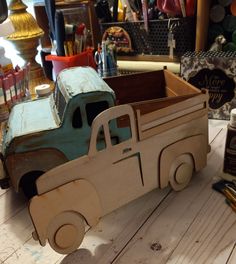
[49, 180]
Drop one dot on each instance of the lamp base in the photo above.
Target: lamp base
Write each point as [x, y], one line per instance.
[27, 50]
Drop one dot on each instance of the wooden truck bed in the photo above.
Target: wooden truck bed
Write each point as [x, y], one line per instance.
[163, 115]
[161, 100]
[149, 86]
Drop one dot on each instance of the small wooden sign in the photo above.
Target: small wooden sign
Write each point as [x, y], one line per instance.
[120, 38]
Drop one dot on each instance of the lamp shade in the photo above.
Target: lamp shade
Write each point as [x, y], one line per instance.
[6, 28]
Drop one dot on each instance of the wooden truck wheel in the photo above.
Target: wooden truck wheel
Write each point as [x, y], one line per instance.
[66, 232]
[181, 172]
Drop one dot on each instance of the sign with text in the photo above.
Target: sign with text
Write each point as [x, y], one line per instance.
[216, 72]
[219, 85]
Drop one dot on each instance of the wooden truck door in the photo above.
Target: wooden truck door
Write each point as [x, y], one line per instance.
[123, 173]
[125, 155]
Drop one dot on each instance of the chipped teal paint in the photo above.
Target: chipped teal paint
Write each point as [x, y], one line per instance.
[28, 117]
[37, 123]
[72, 84]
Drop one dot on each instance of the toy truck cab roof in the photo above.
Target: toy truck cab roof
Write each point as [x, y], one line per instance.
[71, 86]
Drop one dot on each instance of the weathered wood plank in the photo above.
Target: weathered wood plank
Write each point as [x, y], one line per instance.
[120, 225]
[98, 246]
[193, 225]
[17, 244]
[170, 225]
[215, 126]
[211, 235]
[31, 253]
[118, 242]
[10, 203]
[14, 232]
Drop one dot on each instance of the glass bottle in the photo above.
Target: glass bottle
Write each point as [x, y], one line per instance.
[230, 145]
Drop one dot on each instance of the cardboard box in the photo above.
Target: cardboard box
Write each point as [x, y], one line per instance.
[215, 71]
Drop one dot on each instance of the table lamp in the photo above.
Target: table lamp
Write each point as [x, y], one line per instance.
[25, 38]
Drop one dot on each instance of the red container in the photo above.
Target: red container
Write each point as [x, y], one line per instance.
[60, 62]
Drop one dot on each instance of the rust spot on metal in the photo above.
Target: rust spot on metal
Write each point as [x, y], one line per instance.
[156, 246]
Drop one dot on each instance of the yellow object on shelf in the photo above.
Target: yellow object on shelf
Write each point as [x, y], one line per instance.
[121, 14]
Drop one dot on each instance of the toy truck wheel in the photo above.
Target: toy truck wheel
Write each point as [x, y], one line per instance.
[66, 232]
[181, 172]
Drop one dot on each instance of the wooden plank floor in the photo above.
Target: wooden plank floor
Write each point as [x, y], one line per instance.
[191, 226]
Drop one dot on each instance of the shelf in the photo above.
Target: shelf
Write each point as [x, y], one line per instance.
[145, 57]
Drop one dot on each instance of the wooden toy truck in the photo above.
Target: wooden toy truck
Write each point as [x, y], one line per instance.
[47, 132]
[157, 142]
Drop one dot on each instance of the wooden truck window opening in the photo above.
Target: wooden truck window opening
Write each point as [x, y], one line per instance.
[93, 109]
[123, 131]
[77, 118]
[121, 134]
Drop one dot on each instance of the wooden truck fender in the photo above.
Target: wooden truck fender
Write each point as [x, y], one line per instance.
[190, 153]
[20, 164]
[74, 199]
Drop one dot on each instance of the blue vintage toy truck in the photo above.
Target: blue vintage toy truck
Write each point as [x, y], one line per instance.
[44, 133]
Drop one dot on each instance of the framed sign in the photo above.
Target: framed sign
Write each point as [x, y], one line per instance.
[216, 72]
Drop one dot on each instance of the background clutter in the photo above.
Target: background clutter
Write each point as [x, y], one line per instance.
[222, 17]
